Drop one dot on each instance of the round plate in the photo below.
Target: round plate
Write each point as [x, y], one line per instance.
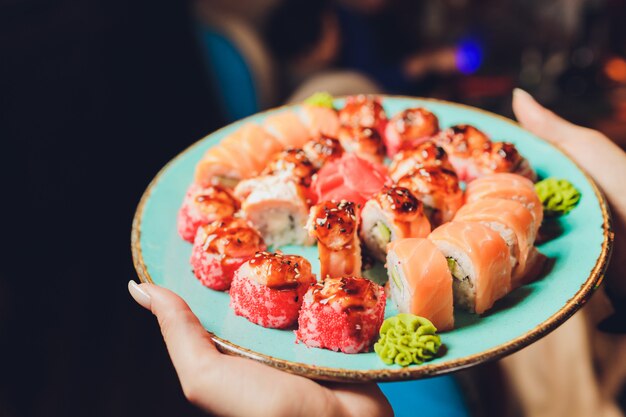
[578, 255]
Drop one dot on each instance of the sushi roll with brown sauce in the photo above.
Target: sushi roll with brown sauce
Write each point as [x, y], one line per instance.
[220, 248]
[503, 157]
[203, 205]
[438, 189]
[269, 288]
[335, 225]
[463, 144]
[277, 207]
[365, 142]
[293, 164]
[322, 149]
[393, 213]
[424, 154]
[364, 111]
[409, 128]
[342, 314]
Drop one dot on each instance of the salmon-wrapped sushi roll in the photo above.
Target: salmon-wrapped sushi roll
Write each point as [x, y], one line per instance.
[509, 187]
[393, 213]
[365, 142]
[511, 220]
[218, 167]
[425, 154]
[220, 248]
[463, 144]
[269, 288]
[320, 120]
[342, 314]
[293, 164]
[288, 129]
[409, 128]
[203, 206]
[335, 226]
[364, 111]
[420, 281]
[503, 157]
[322, 149]
[479, 261]
[438, 188]
[277, 207]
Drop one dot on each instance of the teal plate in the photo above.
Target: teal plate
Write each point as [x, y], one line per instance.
[579, 253]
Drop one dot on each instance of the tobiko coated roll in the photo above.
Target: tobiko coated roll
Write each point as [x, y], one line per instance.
[269, 288]
[342, 314]
[220, 248]
[203, 206]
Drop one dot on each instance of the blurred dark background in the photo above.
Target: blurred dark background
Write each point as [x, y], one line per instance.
[95, 96]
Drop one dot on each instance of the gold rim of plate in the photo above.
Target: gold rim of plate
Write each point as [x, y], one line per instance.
[592, 282]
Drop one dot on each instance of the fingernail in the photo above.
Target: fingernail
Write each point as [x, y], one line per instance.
[518, 92]
[139, 294]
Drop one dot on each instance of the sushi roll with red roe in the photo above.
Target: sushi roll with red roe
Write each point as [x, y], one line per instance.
[342, 314]
[220, 248]
[203, 205]
[269, 288]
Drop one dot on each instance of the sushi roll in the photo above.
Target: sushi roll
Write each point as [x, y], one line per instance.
[438, 188]
[364, 111]
[393, 213]
[463, 144]
[409, 128]
[479, 261]
[220, 248]
[509, 187]
[420, 281]
[342, 314]
[365, 142]
[277, 207]
[269, 288]
[293, 164]
[320, 120]
[322, 149]
[203, 206]
[503, 157]
[334, 225]
[424, 154]
[288, 129]
[511, 220]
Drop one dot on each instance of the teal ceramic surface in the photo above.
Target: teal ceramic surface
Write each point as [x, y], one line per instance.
[579, 255]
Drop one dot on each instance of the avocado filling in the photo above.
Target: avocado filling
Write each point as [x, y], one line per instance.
[394, 276]
[456, 270]
[381, 234]
[227, 182]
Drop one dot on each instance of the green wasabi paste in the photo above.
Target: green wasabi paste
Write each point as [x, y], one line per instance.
[558, 196]
[320, 99]
[406, 339]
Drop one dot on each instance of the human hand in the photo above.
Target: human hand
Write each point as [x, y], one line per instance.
[601, 158]
[232, 386]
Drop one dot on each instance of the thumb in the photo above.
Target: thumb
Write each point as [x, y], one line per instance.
[541, 121]
[188, 343]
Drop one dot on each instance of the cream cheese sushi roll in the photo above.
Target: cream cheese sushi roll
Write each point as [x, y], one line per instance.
[393, 213]
[479, 261]
[420, 281]
[438, 188]
[335, 225]
[277, 207]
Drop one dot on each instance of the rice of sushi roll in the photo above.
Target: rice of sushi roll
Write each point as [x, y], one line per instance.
[409, 128]
[342, 314]
[365, 142]
[425, 154]
[479, 261]
[277, 207]
[393, 213]
[322, 149]
[335, 226]
[220, 248]
[203, 205]
[269, 288]
[438, 188]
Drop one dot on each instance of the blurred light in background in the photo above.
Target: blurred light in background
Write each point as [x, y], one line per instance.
[469, 56]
